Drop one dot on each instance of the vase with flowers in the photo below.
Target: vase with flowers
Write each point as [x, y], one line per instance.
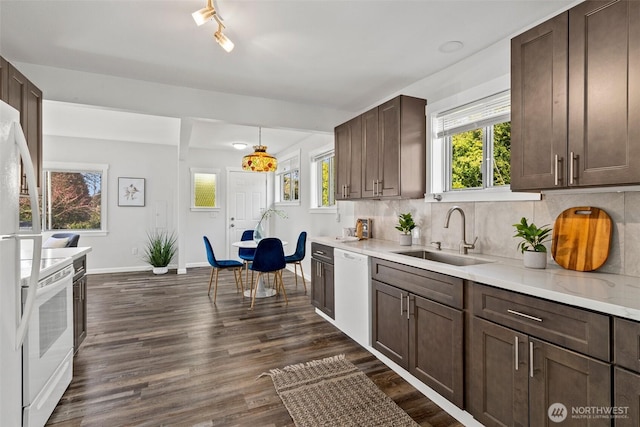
[258, 232]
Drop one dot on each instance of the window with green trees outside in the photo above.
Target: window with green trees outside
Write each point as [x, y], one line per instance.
[468, 148]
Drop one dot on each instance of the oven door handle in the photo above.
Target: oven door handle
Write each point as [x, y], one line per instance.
[33, 287]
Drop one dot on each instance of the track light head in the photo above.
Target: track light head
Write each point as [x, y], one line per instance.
[223, 40]
[203, 15]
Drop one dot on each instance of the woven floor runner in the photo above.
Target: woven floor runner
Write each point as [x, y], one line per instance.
[334, 392]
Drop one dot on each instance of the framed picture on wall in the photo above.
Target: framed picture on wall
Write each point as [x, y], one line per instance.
[130, 191]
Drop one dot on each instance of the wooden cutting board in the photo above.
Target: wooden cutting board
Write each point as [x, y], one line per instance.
[581, 238]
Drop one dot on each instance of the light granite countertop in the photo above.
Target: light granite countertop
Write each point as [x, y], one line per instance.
[607, 293]
[52, 260]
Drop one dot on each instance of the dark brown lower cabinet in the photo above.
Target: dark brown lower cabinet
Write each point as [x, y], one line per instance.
[422, 336]
[79, 303]
[626, 397]
[516, 378]
[322, 287]
[626, 388]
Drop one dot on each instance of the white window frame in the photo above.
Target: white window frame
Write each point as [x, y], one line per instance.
[286, 164]
[436, 153]
[104, 190]
[316, 180]
[193, 172]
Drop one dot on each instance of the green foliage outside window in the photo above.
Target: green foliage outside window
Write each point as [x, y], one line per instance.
[502, 154]
[467, 150]
[466, 156]
[327, 198]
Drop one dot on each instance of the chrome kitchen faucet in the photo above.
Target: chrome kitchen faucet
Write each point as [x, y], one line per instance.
[464, 246]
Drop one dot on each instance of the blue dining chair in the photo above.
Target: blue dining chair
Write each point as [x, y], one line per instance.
[222, 264]
[246, 254]
[269, 258]
[297, 257]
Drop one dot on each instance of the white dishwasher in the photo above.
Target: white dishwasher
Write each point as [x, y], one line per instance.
[352, 295]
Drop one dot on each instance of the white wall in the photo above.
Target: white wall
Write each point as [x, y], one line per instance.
[213, 223]
[126, 226]
[173, 101]
[301, 217]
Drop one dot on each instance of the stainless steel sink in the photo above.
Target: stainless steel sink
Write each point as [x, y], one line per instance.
[444, 258]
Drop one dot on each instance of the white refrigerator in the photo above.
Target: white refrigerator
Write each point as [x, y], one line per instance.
[14, 316]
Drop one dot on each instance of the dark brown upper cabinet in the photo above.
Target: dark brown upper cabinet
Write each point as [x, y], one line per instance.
[575, 106]
[4, 79]
[348, 140]
[539, 66]
[25, 97]
[388, 150]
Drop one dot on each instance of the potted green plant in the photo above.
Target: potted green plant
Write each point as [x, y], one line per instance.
[532, 244]
[160, 249]
[405, 225]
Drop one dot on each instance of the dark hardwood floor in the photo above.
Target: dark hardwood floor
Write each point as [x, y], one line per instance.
[159, 352]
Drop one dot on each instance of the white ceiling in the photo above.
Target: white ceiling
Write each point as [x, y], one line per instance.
[339, 54]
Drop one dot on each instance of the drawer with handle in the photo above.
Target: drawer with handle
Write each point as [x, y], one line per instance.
[570, 327]
[322, 252]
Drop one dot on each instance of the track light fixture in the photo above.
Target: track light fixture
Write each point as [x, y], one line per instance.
[222, 40]
[206, 14]
[203, 15]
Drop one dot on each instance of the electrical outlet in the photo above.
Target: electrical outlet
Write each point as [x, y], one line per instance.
[134, 251]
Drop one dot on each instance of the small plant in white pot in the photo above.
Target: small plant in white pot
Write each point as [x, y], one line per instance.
[160, 249]
[532, 245]
[405, 225]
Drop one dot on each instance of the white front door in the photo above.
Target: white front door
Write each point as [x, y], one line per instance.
[246, 199]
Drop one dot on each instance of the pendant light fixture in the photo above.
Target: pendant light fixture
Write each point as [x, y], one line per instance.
[260, 160]
[206, 14]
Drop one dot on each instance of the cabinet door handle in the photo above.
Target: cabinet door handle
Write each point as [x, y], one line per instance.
[526, 316]
[571, 168]
[516, 353]
[408, 306]
[401, 307]
[531, 359]
[556, 164]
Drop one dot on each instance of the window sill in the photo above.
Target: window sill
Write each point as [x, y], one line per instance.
[90, 233]
[194, 209]
[488, 195]
[331, 210]
[296, 203]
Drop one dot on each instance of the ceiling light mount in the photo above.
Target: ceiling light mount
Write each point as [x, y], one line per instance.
[208, 13]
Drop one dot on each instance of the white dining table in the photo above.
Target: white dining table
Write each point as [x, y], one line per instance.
[261, 291]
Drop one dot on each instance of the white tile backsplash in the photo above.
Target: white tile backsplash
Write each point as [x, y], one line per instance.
[492, 223]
